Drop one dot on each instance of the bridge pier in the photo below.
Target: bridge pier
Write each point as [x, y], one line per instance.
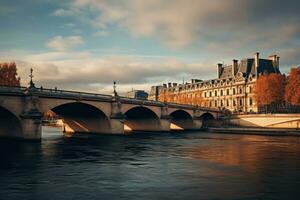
[117, 126]
[31, 125]
[165, 122]
[197, 123]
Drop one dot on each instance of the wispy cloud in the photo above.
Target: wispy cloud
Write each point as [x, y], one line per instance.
[61, 43]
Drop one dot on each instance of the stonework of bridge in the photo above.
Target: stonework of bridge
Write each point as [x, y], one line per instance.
[23, 109]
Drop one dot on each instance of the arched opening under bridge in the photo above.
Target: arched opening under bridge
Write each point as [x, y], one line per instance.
[10, 125]
[81, 117]
[141, 119]
[207, 119]
[181, 120]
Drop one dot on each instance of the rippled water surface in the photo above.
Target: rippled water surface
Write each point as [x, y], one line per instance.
[191, 165]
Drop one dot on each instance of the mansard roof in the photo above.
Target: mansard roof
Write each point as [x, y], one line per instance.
[247, 67]
[267, 66]
[226, 72]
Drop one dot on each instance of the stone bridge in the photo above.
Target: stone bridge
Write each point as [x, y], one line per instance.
[23, 109]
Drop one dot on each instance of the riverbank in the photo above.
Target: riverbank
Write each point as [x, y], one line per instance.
[269, 121]
[256, 131]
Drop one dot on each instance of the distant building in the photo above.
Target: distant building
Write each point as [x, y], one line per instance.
[137, 94]
[232, 89]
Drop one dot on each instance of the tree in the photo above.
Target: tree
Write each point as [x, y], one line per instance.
[292, 89]
[269, 90]
[8, 74]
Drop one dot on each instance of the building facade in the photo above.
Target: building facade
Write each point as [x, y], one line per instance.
[137, 94]
[232, 89]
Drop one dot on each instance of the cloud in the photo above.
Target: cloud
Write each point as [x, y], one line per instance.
[61, 12]
[84, 71]
[101, 33]
[202, 23]
[61, 43]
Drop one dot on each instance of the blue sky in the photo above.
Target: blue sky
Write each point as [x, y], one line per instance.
[87, 44]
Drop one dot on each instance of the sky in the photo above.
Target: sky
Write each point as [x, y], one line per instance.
[85, 45]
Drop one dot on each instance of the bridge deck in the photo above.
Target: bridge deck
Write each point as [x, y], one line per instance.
[67, 94]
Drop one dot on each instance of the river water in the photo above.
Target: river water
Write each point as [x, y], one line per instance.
[190, 165]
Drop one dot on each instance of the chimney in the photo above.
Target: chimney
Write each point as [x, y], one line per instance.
[277, 62]
[219, 69]
[164, 85]
[256, 63]
[273, 58]
[256, 59]
[234, 67]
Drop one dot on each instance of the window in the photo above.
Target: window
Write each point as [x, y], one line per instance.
[240, 91]
[227, 91]
[221, 103]
[204, 94]
[216, 104]
[234, 102]
[241, 102]
[250, 89]
[210, 104]
[227, 102]
[233, 90]
[221, 92]
[216, 93]
[210, 94]
[250, 101]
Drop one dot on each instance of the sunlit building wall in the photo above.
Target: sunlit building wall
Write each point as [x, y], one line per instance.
[233, 88]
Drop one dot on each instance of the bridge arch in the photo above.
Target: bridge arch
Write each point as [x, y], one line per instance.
[207, 119]
[141, 118]
[181, 120]
[82, 117]
[10, 124]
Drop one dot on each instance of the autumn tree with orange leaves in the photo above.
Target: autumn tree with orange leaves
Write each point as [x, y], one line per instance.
[8, 75]
[292, 89]
[269, 91]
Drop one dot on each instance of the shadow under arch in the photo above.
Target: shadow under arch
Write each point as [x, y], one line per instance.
[181, 120]
[207, 119]
[82, 117]
[141, 118]
[10, 125]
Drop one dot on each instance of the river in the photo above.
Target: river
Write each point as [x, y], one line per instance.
[189, 165]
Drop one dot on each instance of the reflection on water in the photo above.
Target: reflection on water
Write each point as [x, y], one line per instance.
[194, 165]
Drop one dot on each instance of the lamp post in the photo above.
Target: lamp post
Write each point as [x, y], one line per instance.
[31, 83]
[115, 90]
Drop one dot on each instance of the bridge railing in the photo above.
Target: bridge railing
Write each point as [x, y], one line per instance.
[69, 93]
[12, 89]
